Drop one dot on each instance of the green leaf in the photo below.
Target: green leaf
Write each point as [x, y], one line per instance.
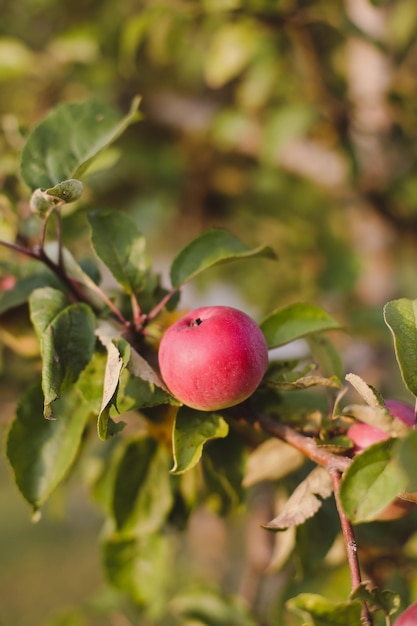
[67, 141]
[326, 355]
[376, 598]
[117, 359]
[372, 482]
[326, 613]
[208, 607]
[192, 429]
[121, 247]
[401, 318]
[142, 495]
[213, 247]
[305, 382]
[406, 453]
[294, 322]
[41, 451]
[230, 51]
[139, 566]
[67, 341]
[11, 298]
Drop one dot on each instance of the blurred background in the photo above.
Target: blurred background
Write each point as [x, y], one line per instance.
[291, 122]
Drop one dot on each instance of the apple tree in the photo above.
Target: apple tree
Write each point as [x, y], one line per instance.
[100, 396]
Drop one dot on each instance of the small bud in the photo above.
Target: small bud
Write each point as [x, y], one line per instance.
[68, 190]
[41, 202]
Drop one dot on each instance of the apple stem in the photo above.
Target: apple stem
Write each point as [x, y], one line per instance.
[304, 444]
[335, 465]
[350, 545]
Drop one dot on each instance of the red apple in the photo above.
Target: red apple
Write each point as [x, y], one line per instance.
[364, 435]
[408, 617]
[403, 411]
[212, 358]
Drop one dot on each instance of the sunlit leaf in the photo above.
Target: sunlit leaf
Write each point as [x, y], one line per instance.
[271, 460]
[401, 318]
[296, 321]
[231, 49]
[326, 613]
[67, 140]
[372, 482]
[42, 451]
[213, 247]
[371, 396]
[192, 430]
[305, 500]
[121, 247]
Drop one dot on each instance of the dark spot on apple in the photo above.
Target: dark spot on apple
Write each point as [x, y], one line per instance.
[196, 322]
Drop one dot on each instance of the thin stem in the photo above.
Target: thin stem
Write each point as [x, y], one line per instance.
[158, 308]
[350, 545]
[304, 444]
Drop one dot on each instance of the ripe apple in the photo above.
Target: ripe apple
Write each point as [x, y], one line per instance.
[364, 435]
[408, 617]
[213, 357]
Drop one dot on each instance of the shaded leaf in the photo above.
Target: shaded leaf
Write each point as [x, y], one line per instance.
[66, 338]
[326, 355]
[139, 367]
[305, 501]
[23, 288]
[304, 383]
[42, 451]
[213, 247]
[208, 607]
[139, 566]
[192, 429]
[406, 452]
[121, 247]
[117, 360]
[326, 613]
[294, 322]
[401, 318]
[67, 140]
[142, 496]
[376, 598]
[372, 481]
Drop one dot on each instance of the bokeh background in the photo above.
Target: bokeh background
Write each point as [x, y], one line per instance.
[291, 122]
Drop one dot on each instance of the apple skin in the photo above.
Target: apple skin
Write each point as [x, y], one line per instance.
[364, 435]
[404, 412]
[213, 357]
[408, 617]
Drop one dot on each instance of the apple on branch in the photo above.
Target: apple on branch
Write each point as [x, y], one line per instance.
[213, 357]
[364, 435]
[408, 617]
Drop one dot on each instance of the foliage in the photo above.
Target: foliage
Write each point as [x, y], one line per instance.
[161, 460]
[287, 132]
